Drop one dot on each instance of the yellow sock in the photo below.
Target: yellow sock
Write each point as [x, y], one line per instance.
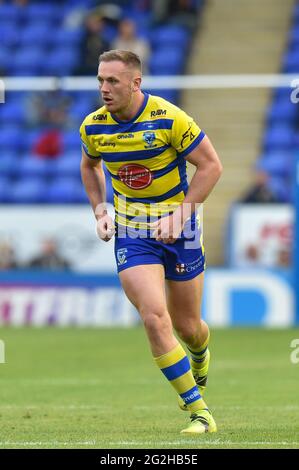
[176, 368]
[199, 357]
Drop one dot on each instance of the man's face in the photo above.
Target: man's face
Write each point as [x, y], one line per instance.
[116, 85]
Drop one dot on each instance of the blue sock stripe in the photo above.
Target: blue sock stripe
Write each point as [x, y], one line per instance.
[197, 360]
[177, 369]
[191, 395]
[200, 353]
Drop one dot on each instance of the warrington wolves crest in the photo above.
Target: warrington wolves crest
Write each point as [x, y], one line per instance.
[121, 256]
[149, 137]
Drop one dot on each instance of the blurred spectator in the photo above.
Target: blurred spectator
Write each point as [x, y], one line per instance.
[21, 3]
[284, 257]
[49, 108]
[252, 255]
[49, 144]
[49, 257]
[127, 40]
[92, 45]
[7, 256]
[260, 192]
[111, 12]
[50, 111]
[181, 12]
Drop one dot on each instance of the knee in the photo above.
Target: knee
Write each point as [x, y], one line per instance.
[188, 333]
[154, 319]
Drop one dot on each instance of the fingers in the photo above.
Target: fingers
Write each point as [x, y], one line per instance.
[168, 240]
[105, 228]
[162, 234]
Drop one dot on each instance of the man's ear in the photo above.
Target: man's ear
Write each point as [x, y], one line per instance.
[136, 84]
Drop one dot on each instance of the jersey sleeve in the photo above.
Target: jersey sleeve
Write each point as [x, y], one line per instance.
[87, 145]
[186, 134]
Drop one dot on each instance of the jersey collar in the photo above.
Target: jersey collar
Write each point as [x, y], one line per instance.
[139, 112]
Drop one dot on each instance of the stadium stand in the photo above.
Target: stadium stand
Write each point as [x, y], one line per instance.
[280, 141]
[43, 39]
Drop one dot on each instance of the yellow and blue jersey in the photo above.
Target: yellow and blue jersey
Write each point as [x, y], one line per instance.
[144, 156]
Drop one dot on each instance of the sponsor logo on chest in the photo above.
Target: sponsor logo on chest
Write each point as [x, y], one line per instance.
[135, 176]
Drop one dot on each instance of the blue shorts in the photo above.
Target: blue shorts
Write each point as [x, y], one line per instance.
[182, 260]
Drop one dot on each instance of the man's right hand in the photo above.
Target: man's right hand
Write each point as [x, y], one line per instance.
[105, 228]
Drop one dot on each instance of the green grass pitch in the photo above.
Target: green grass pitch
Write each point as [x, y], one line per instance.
[99, 388]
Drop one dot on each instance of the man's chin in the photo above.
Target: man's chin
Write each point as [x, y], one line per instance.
[110, 107]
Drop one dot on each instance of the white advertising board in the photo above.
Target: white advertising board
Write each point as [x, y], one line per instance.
[72, 227]
[261, 235]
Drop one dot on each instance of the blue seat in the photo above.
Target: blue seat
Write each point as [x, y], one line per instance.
[76, 3]
[169, 95]
[282, 110]
[71, 141]
[64, 190]
[281, 93]
[68, 165]
[79, 109]
[296, 140]
[61, 61]
[9, 12]
[43, 11]
[66, 37]
[291, 61]
[296, 13]
[29, 139]
[90, 99]
[30, 166]
[142, 21]
[39, 33]
[16, 97]
[8, 163]
[170, 36]
[294, 36]
[167, 61]
[278, 137]
[5, 186]
[27, 190]
[81, 196]
[27, 60]
[5, 58]
[10, 139]
[12, 112]
[276, 163]
[10, 33]
[280, 187]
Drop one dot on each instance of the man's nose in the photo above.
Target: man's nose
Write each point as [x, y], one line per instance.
[104, 87]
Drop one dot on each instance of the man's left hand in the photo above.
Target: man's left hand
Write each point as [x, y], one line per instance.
[168, 229]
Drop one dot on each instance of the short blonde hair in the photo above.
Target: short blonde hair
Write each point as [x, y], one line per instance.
[126, 57]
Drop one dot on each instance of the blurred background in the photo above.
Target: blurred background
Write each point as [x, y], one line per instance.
[230, 65]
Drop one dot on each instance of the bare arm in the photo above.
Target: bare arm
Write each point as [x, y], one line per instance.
[208, 171]
[93, 179]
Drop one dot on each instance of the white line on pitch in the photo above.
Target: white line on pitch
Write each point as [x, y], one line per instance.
[141, 407]
[206, 442]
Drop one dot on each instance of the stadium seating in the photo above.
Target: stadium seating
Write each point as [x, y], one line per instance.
[7, 164]
[65, 190]
[4, 186]
[27, 190]
[276, 163]
[281, 125]
[30, 166]
[37, 40]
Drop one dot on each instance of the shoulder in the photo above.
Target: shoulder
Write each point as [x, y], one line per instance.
[159, 107]
[96, 117]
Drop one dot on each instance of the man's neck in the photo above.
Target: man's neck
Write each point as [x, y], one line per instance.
[132, 110]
